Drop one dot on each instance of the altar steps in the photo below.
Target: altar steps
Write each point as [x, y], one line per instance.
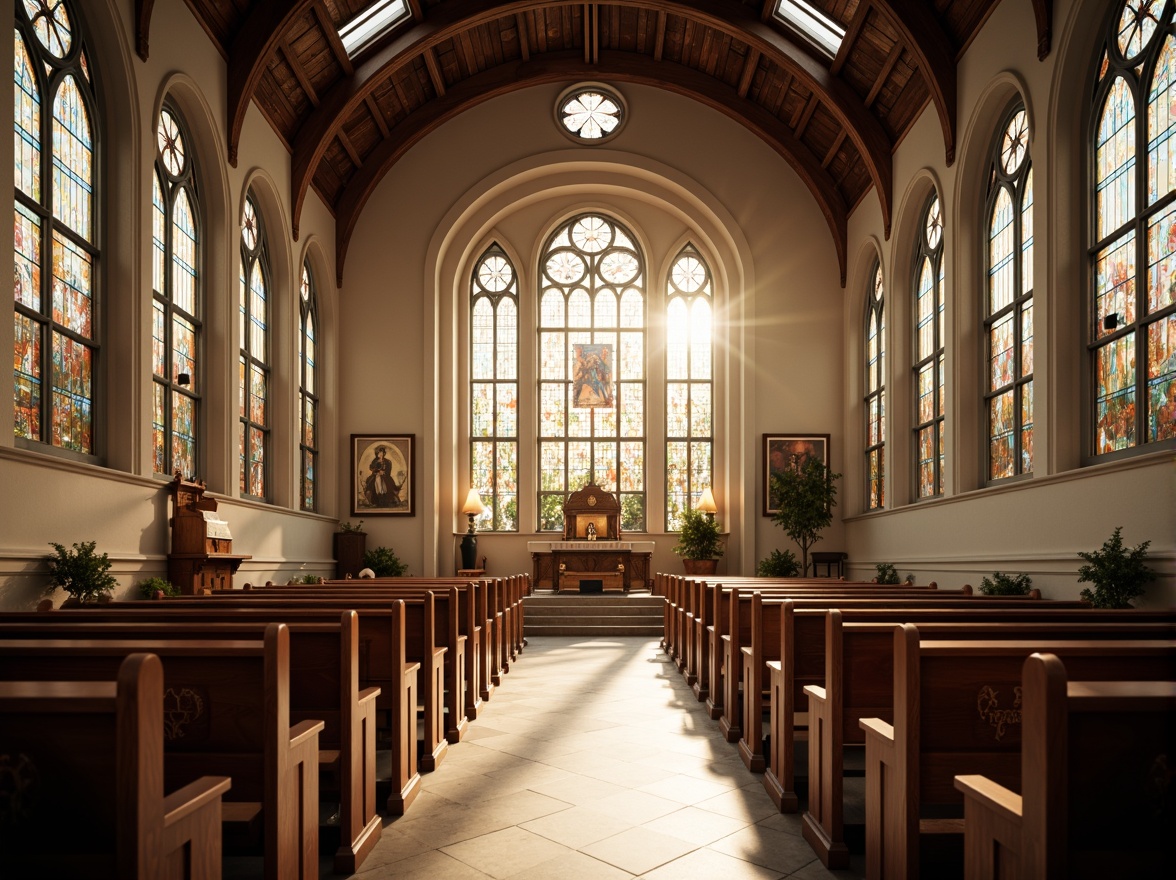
[593, 614]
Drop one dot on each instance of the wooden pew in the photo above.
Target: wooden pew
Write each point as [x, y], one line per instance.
[324, 684]
[859, 672]
[1096, 791]
[226, 710]
[95, 748]
[957, 711]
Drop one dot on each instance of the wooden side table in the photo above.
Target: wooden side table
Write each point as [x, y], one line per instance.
[830, 559]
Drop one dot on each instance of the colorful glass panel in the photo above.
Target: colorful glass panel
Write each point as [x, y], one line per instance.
[590, 114]
[1161, 122]
[1137, 23]
[1161, 379]
[1001, 266]
[51, 24]
[1161, 254]
[72, 286]
[1114, 285]
[73, 156]
[929, 353]
[1115, 395]
[1115, 160]
[27, 378]
[27, 248]
[72, 394]
[253, 380]
[169, 140]
[183, 292]
[27, 112]
[308, 445]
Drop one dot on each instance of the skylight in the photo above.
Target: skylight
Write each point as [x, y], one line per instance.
[371, 24]
[823, 31]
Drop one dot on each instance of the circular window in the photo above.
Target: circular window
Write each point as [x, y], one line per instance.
[590, 113]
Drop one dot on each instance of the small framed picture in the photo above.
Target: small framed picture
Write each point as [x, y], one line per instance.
[382, 474]
[784, 452]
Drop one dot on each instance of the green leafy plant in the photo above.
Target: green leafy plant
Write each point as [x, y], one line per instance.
[699, 536]
[384, 562]
[1006, 585]
[346, 526]
[1118, 575]
[807, 496]
[306, 579]
[81, 572]
[778, 564]
[887, 573]
[148, 587]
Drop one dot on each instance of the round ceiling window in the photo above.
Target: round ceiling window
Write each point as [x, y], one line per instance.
[590, 113]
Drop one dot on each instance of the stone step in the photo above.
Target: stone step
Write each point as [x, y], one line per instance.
[590, 620]
[594, 631]
[576, 614]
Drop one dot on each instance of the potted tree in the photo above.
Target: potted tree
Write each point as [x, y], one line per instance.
[700, 542]
[82, 573]
[807, 496]
[1119, 575]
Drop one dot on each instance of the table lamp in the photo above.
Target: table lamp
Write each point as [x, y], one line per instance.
[707, 505]
[469, 543]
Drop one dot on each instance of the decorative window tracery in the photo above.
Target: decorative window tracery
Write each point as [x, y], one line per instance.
[253, 366]
[875, 400]
[308, 382]
[929, 353]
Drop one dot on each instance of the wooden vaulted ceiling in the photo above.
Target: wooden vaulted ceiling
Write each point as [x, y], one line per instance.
[834, 121]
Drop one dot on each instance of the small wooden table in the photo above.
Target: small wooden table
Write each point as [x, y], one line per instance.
[829, 559]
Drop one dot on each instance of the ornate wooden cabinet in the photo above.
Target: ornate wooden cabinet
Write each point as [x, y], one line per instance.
[202, 547]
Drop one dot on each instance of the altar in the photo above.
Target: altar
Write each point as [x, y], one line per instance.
[592, 557]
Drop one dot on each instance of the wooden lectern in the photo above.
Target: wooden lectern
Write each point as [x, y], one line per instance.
[201, 555]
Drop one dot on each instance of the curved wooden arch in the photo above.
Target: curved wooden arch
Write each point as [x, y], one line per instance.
[636, 69]
[729, 18]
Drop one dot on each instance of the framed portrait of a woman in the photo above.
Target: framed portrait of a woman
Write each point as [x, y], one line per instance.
[784, 452]
[382, 481]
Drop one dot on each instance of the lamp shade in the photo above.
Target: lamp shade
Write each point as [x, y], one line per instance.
[706, 503]
[473, 503]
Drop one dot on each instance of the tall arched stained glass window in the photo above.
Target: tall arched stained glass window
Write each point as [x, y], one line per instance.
[875, 402]
[689, 384]
[591, 368]
[1008, 311]
[175, 304]
[55, 245]
[928, 348]
[1132, 332]
[308, 390]
[254, 369]
[494, 389]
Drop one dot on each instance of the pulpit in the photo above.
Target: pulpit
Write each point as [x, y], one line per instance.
[202, 547]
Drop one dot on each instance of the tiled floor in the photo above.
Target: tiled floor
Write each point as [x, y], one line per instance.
[594, 760]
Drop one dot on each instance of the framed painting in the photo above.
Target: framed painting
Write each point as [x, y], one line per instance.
[592, 379]
[383, 474]
[783, 452]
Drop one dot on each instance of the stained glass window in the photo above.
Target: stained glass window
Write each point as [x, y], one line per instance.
[875, 401]
[55, 339]
[1132, 314]
[494, 389]
[928, 350]
[253, 376]
[308, 390]
[590, 113]
[1008, 310]
[176, 362]
[591, 368]
[689, 384]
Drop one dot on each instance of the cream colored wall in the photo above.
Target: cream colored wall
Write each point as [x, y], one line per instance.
[1037, 525]
[117, 501]
[502, 172]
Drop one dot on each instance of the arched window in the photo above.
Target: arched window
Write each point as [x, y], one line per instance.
[254, 373]
[494, 389]
[875, 402]
[689, 384]
[1132, 334]
[928, 368]
[591, 368]
[1008, 310]
[308, 390]
[55, 242]
[176, 363]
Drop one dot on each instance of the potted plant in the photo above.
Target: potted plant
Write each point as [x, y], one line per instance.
[887, 573]
[778, 565]
[807, 496]
[350, 545]
[700, 542]
[157, 588]
[384, 563]
[1118, 575]
[1006, 585]
[82, 573]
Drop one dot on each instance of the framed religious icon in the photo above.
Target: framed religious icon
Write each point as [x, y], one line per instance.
[382, 474]
[784, 452]
[592, 376]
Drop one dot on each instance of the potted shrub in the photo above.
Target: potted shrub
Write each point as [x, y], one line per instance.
[384, 563]
[82, 573]
[350, 545]
[700, 542]
[807, 496]
[157, 588]
[1118, 575]
[887, 573]
[778, 565]
[1006, 585]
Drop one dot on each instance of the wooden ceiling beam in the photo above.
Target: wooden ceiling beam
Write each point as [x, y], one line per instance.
[928, 44]
[659, 40]
[750, 63]
[831, 154]
[883, 74]
[349, 149]
[299, 74]
[332, 34]
[622, 66]
[434, 72]
[377, 115]
[851, 37]
[143, 9]
[249, 54]
[730, 17]
[524, 40]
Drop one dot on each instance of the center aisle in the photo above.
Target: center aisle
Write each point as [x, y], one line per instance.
[594, 760]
